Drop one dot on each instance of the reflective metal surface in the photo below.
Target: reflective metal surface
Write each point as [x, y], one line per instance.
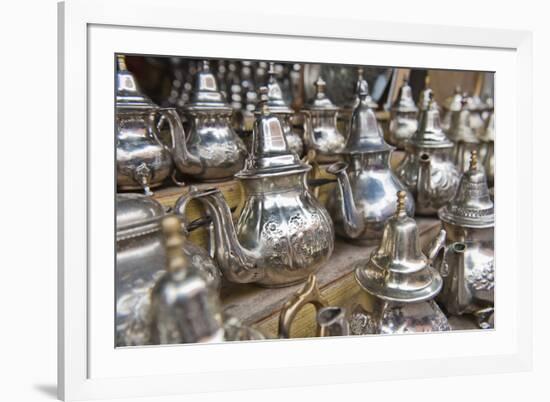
[487, 149]
[212, 149]
[366, 192]
[141, 261]
[403, 123]
[463, 137]
[402, 280]
[283, 233]
[428, 169]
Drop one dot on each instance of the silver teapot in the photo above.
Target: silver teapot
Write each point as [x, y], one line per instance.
[451, 104]
[212, 149]
[143, 161]
[278, 107]
[463, 136]
[402, 280]
[487, 149]
[403, 123]
[283, 233]
[428, 169]
[467, 266]
[366, 191]
[140, 262]
[321, 131]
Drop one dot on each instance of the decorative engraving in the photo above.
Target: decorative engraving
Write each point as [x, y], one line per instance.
[482, 277]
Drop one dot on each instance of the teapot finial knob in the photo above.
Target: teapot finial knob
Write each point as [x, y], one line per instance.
[320, 84]
[401, 198]
[473, 161]
[264, 98]
[427, 81]
[121, 61]
[171, 228]
[205, 65]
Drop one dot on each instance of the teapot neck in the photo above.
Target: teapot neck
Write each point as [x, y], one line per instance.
[369, 160]
[276, 184]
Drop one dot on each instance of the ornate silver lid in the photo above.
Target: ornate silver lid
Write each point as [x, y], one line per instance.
[454, 102]
[269, 154]
[405, 102]
[471, 206]
[398, 270]
[128, 93]
[136, 214]
[429, 133]
[321, 102]
[364, 135]
[275, 101]
[206, 95]
[460, 130]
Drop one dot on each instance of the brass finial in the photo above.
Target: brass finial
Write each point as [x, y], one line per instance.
[320, 84]
[427, 81]
[473, 160]
[121, 61]
[173, 240]
[264, 97]
[401, 198]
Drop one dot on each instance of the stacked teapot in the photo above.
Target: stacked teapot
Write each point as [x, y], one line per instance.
[403, 123]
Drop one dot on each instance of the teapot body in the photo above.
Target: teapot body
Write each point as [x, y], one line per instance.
[323, 136]
[402, 126]
[142, 160]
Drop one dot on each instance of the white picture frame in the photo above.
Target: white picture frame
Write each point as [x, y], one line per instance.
[90, 32]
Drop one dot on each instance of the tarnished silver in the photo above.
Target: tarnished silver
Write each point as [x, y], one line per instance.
[278, 107]
[428, 169]
[402, 280]
[321, 131]
[467, 266]
[487, 149]
[142, 160]
[403, 123]
[283, 233]
[463, 137]
[141, 261]
[212, 149]
[366, 191]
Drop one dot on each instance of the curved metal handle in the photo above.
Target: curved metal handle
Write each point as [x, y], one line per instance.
[308, 128]
[176, 127]
[181, 206]
[310, 294]
[311, 158]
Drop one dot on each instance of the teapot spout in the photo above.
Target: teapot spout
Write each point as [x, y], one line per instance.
[424, 189]
[353, 222]
[237, 263]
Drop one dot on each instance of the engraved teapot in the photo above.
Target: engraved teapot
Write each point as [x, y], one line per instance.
[278, 107]
[403, 122]
[140, 261]
[142, 160]
[467, 266]
[367, 187]
[321, 132]
[402, 281]
[428, 169]
[184, 308]
[283, 233]
[212, 149]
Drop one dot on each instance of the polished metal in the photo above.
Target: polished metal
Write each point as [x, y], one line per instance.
[235, 330]
[467, 266]
[366, 191]
[321, 131]
[451, 105]
[283, 233]
[141, 261]
[212, 149]
[278, 107]
[487, 149]
[463, 136]
[428, 169]
[402, 281]
[332, 321]
[403, 123]
[143, 161]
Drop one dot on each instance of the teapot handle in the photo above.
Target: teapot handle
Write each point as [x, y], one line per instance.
[310, 294]
[181, 207]
[177, 132]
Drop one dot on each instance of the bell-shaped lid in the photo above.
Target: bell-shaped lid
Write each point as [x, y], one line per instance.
[429, 133]
[206, 94]
[321, 101]
[460, 130]
[488, 133]
[398, 270]
[454, 102]
[128, 93]
[405, 102]
[269, 154]
[471, 205]
[364, 135]
[136, 214]
[275, 100]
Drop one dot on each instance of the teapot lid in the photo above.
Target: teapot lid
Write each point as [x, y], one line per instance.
[398, 270]
[429, 133]
[364, 133]
[136, 214]
[206, 95]
[405, 102]
[128, 93]
[321, 101]
[269, 154]
[471, 206]
[275, 101]
[488, 133]
[460, 130]
[454, 102]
